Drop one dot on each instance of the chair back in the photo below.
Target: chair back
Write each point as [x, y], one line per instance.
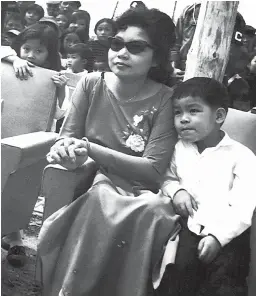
[27, 105]
[241, 126]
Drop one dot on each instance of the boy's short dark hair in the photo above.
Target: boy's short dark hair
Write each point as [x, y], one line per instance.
[37, 8]
[82, 49]
[211, 91]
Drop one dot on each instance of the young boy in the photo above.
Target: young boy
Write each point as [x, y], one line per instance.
[211, 181]
[77, 58]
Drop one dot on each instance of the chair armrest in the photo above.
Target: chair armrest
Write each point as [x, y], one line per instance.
[60, 186]
[24, 150]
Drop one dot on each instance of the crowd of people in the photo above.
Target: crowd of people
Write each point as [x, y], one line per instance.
[166, 173]
[81, 53]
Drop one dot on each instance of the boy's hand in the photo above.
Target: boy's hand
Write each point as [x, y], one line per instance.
[60, 80]
[184, 203]
[22, 68]
[208, 249]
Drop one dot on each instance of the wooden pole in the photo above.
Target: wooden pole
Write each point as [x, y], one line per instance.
[114, 12]
[209, 52]
[174, 9]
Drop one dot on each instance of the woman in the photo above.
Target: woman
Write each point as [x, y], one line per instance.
[108, 240]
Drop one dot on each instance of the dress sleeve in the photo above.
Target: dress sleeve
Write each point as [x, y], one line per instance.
[74, 123]
[163, 137]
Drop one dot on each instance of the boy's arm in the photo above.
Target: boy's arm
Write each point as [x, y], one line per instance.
[171, 182]
[242, 199]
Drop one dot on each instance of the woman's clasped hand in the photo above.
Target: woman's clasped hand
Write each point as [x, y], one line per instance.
[71, 153]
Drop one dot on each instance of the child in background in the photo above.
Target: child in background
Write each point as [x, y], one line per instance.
[33, 14]
[77, 58]
[104, 29]
[36, 45]
[67, 40]
[68, 7]
[62, 21]
[80, 20]
[8, 8]
[52, 8]
[14, 22]
[211, 180]
[100, 66]
[50, 21]
[8, 37]
[251, 80]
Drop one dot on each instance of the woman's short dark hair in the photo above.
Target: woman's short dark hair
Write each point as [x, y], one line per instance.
[109, 21]
[47, 36]
[211, 91]
[37, 8]
[161, 32]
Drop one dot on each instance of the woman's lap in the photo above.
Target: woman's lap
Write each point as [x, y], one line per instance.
[104, 243]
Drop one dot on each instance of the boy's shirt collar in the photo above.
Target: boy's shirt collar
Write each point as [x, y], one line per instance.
[225, 141]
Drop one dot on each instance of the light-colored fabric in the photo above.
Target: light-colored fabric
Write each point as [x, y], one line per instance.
[22, 163]
[105, 243]
[60, 112]
[168, 258]
[7, 51]
[241, 126]
[108, 241]
[221, 179]
[28, 105]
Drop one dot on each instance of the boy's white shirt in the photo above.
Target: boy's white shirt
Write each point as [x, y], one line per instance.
[61, 112]
[222, 181]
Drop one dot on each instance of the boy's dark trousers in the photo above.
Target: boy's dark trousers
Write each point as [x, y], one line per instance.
[224, 276]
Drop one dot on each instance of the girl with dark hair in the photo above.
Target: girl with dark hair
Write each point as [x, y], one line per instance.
[46, 40]
[80, 20]
[33, 13]
[62, 21]
[110, 240]
[67, 40]
[103, 29]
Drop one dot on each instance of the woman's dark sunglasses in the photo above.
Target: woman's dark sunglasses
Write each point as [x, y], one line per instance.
[134, 47]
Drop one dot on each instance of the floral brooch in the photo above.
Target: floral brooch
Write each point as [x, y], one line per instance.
[137, 135]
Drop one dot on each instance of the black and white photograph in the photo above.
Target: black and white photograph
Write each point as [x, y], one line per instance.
[128, 148]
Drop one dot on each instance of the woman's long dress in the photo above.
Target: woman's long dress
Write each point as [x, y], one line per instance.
[108, 241]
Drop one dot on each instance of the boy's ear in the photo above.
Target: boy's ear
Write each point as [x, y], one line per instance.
[220, 115]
